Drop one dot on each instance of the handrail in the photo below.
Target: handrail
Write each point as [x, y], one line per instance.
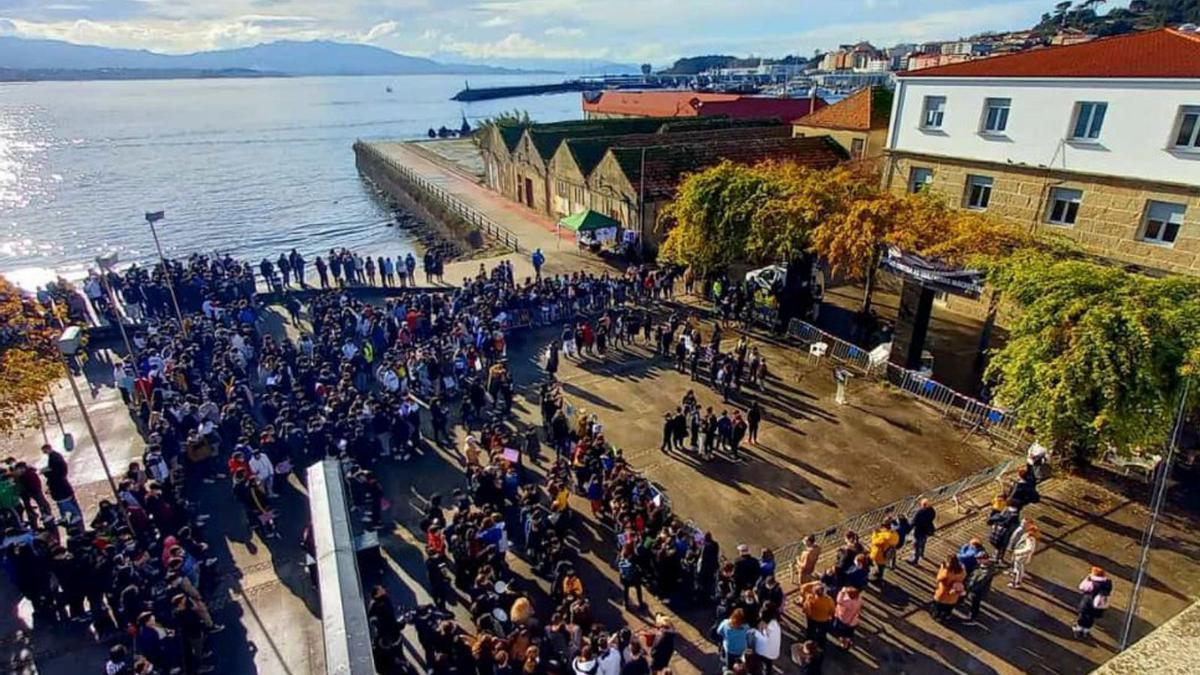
[451, 202]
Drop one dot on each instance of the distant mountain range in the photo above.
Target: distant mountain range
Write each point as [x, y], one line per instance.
[41, 59]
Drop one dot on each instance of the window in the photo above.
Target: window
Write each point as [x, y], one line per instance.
[856, 148]
[1089, 117]
[560, 188]
[1064, 206]
[1188, 136]
[919, 179]
[979, 192]
[1162, 222]
[935, 112]
[995, 115]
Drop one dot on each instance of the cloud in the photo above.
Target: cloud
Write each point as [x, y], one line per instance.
[516, 45]
[496, 22]
[381, 30]
[563, 31]
[7, 27]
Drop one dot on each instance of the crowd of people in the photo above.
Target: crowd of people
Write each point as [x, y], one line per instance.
[219, 398]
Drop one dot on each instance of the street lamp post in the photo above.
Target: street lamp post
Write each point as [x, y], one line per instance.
[153, 217]
[68, 345]
[106, 263]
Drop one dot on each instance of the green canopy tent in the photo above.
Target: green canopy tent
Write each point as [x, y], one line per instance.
[587, 221]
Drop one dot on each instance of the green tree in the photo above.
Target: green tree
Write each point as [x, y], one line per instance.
[1097, 356]
[711, 215]
[29, 360]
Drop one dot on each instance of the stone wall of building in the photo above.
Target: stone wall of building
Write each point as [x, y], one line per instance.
[1111, 212]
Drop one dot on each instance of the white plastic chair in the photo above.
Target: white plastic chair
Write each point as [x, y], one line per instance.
[817, 350]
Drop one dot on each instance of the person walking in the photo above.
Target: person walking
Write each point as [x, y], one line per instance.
[1004, 525]
[1097, 590]
[949, 589]
[59, 484]
[1023, 550]
[923, 527]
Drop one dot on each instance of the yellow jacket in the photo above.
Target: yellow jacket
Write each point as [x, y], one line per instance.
[882, 541]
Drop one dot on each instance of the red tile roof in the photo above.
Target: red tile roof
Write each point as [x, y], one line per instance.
[866, 109]
[1162, 53]
[693, 104]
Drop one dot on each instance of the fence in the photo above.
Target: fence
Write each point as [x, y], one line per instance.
[864, 523]
[1001, 426]
[447, 200]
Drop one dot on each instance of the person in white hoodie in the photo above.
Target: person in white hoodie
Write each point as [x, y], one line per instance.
[610, 658]
[767, 639]
[1023, 550]
[263, 470]
[585, 663]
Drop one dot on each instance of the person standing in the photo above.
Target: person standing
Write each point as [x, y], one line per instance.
[297, 262]
[806, 564]
[979, 584]
[1004, 525]
[1023, 550]
[753, 420]
[923, 527]
[734, 636]
[883, 541]
[58, 482]
[767, 639]
[846, 616]
[1097, 590]
[662, 644]
[949, 589]
[322, 272]
[819, 609]
[538, 259]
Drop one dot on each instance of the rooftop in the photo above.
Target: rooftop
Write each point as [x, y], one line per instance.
[694, 104]
[866, 109]
[589, 151]
[1162, 53]
[665, 164]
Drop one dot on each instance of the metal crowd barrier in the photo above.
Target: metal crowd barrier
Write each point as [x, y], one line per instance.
[451, 202]
[1000, 425]
[864, 523]
[347, 634]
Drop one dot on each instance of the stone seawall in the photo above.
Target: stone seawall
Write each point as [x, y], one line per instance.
[438, 221]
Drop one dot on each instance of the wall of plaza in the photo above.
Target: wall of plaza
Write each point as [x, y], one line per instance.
[1112, 210]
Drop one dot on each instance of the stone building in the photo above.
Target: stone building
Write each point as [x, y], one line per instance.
[1098, 141]
[859, 122]
[626, 168]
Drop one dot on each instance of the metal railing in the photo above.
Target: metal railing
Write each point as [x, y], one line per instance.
[445, 198]
[864, 523]
[1000, 425]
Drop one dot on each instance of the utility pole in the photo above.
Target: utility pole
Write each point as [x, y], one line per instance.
[151, 218]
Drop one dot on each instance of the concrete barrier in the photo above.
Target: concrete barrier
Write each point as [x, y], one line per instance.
[343, 610]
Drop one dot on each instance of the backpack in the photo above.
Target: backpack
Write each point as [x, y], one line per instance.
[1100, 602]
[627, 570]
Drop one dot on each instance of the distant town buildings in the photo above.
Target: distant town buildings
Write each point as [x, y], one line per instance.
[628, 168]
[1098, 141]
[858, 123]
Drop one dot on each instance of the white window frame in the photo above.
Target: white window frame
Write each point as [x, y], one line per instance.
[1003, 106]
[1091, 108]
[913, 188]
[1054, 200]
[927, 110]
[1150, 217]
[982, 182]
[1191, 144]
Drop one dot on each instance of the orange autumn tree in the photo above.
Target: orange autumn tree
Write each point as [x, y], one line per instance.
[29, 360]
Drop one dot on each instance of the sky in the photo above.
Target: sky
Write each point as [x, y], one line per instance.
[654, 31]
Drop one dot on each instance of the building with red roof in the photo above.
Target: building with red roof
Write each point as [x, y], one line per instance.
[660, 103]
[858, 123]
[1098, 141]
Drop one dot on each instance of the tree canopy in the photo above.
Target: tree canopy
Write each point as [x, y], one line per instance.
[1097, 356]
[28, 355]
